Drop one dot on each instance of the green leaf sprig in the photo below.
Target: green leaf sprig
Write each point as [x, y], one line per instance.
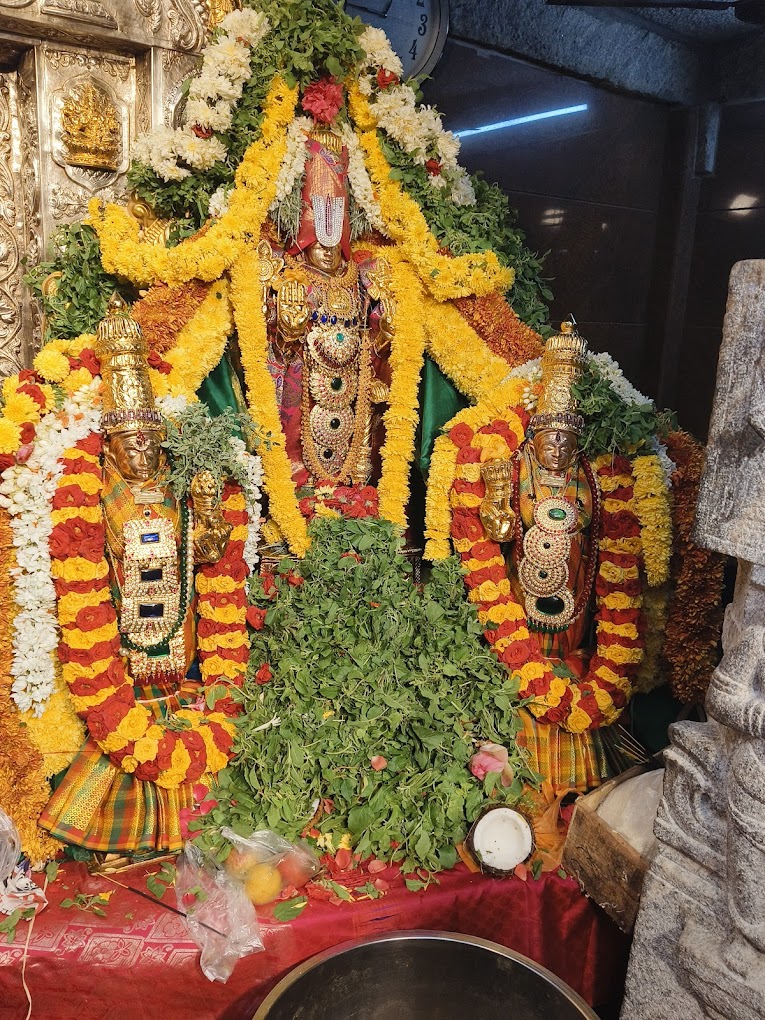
[84, 288]
[196, 442]
[611, 424]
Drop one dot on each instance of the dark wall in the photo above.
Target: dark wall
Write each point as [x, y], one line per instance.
[730, 226]
[586, 185]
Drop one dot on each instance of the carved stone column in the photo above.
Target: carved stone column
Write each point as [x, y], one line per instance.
[699, 947]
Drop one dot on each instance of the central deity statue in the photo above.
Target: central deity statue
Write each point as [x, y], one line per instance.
[329, 324]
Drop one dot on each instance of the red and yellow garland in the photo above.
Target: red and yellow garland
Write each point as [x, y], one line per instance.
[198, 740]
[599, 697]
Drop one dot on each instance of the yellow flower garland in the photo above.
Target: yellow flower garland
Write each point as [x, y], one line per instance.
[211, 252]
[653, 510]
[407, 353]
[444, 276]
[199, 347]
[253, 344]
[443, 465]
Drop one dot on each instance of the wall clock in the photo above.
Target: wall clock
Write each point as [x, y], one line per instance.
[417, 29]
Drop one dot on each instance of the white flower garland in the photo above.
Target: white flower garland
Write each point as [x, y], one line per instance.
[375, 43]
[359, 180]
[26, 492]
[213, 94]
[293, 165]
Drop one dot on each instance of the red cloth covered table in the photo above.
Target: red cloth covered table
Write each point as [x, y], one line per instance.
[138, 964]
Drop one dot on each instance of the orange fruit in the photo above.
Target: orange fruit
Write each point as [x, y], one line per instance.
[240, 863]
[263, 884]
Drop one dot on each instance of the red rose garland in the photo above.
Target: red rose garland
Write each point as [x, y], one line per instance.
[89, 650]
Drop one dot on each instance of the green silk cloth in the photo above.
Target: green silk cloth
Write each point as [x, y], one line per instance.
[221, 389]
[439, 402]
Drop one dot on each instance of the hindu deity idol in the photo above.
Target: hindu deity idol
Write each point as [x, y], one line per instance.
[329, 325]
[125, 789]
[544, 505]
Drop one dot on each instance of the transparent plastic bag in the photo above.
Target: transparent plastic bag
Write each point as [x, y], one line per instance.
[17, 890]
[10, 847]
[267, 865]
[220, 918]
[630, 809]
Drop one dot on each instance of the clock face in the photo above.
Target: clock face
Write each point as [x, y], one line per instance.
[417, 29]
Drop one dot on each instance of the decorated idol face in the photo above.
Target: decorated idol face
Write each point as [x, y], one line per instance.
[136, 454]
[327, 259]
[555, 448]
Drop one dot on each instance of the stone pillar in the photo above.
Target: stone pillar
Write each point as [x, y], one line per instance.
[699, 947]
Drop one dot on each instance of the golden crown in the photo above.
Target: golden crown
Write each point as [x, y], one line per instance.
[128, 401]
[563, 361]
[327, 139]
[91, 128]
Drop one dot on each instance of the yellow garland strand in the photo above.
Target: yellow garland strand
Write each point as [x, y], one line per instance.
[211, 252]
[652, 508]
[407, 354]
[443, 466]
[444, 276]
[253, 343]
[199, 347]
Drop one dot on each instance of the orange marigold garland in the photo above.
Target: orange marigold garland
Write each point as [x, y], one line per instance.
[695, 611]
[600, 696]
[164, 312]
[500, 328]
[101, 688]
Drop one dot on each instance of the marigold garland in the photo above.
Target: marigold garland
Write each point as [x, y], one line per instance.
[23, 787]
[444, 276]
[599, 697]
[443, 467]
[696, 612]
[407, 354]
[212, 251]
[199, 347]
[100, 686]
[500, 328]
[164, 312]
[652, 507]
[253, 345]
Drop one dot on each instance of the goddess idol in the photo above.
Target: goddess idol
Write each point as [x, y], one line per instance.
[552, 560]
[126, 606]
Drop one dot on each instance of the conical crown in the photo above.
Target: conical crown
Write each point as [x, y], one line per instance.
[563, 361]
[128, 401]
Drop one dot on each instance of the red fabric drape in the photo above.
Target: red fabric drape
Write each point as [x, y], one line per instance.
[138, 964]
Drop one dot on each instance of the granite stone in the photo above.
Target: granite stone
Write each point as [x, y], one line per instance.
[699, 947]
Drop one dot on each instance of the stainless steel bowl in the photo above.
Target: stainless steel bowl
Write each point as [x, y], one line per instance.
[422, 975]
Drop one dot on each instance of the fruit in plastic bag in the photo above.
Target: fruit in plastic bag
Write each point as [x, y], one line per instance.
[263, 884]
[240, 863]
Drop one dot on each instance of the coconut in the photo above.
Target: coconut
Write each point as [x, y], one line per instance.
[499, 840]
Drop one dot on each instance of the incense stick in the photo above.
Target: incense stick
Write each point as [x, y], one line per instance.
[153, 899]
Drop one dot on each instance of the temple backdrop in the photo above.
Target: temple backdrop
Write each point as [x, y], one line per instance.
[644, 205]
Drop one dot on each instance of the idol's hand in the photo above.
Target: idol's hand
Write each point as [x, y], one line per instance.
[385, 336]
[292, 311]
[211, 535]
[498, 520]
